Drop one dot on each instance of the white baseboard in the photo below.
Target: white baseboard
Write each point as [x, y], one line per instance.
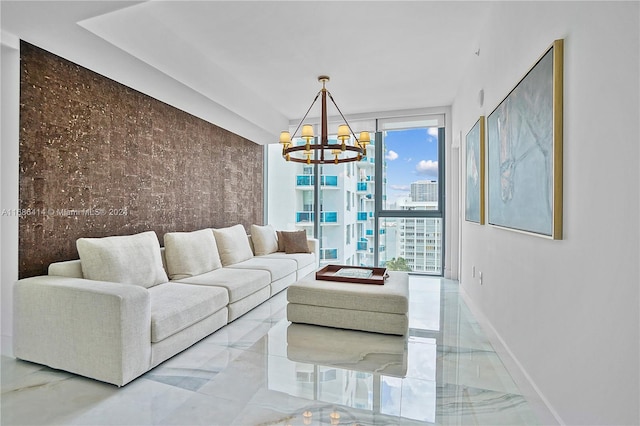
[540, 405]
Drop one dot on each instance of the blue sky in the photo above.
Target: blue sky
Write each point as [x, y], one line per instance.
[411, 155]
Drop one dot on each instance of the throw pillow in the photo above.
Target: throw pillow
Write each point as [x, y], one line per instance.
[191, 253]
[128, 259]
[264, 239]
[233, 244]
[295, 242]
[280, 241]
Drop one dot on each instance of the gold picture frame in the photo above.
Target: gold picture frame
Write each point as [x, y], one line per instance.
[524, 158]
[475, 164]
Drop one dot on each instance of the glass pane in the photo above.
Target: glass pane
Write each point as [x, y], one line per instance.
[305, 203]
[411, 244]
[365, 206]
[333, 220]
[410, 169]
[344, 204]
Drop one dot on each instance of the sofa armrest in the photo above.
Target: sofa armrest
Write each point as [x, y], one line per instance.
[314, 247]
[96, 329]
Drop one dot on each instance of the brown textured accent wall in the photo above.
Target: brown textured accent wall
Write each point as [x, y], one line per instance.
[98, 158]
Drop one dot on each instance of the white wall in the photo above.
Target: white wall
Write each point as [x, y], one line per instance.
[9, 118]
[567, 311]
[281, 193]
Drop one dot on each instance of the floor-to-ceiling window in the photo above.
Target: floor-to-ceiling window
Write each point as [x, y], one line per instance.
[409, 203]
[383, 210]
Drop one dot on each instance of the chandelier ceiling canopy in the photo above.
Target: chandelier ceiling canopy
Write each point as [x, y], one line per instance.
[321, 151]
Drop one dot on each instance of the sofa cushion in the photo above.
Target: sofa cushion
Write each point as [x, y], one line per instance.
[264, 239]
[175, 307]
[233, 244]
[191, 253]
[295, 242]
[278, 268]
[239, 283]
[302, 259]
[128, 259]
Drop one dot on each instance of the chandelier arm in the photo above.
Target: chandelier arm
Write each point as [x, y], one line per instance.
[305, 115]
[342, 115]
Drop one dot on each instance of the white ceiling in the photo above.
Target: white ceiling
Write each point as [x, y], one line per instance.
[259, 60]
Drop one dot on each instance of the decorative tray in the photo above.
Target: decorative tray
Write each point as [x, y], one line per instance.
[352, 274]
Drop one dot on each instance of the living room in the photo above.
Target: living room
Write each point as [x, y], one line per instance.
[562, 314]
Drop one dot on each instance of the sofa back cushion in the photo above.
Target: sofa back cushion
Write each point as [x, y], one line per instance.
[128, 259]
[233, 244]
[264, 239]
[190, 253]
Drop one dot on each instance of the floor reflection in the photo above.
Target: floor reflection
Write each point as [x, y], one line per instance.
[263, 370]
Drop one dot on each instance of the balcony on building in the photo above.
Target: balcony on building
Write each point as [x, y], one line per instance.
[329, 254]
[368, 161]
[307, 218]
[326, 181]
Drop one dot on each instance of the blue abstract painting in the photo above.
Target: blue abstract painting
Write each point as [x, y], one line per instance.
[474, 201]
[520, 134]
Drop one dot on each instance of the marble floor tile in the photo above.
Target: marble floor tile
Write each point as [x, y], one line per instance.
[263, 370]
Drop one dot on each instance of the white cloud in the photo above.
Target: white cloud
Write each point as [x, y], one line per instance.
[400, 187]
[433, 131]
[427, 167]
[391, 155]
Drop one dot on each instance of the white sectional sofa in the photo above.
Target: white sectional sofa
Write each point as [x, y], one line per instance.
[127, 304]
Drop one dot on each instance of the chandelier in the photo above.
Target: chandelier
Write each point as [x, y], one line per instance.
[324, 152]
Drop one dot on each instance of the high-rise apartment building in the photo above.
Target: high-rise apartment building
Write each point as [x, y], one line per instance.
[346, 204]
[424, 190]
[419, 239]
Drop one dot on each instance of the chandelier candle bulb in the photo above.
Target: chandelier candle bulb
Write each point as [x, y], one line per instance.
[307, 132]
[343, 132]
[337, 153]
[365, 138]
[285, 138]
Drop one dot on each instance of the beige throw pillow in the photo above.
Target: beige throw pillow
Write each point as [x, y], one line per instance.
[280, 241]
[233, 244]
[191, 253]
[264, 239]
[295, 242]
[128, 259]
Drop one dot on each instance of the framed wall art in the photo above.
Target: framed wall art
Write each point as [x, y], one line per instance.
[524, 137]
[474, 199]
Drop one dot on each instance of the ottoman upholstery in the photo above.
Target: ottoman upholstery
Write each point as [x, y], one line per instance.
[366, 307]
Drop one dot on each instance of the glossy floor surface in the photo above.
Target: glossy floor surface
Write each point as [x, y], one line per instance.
[263, 370]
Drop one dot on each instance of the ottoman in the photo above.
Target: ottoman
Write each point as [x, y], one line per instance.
[365, 307]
